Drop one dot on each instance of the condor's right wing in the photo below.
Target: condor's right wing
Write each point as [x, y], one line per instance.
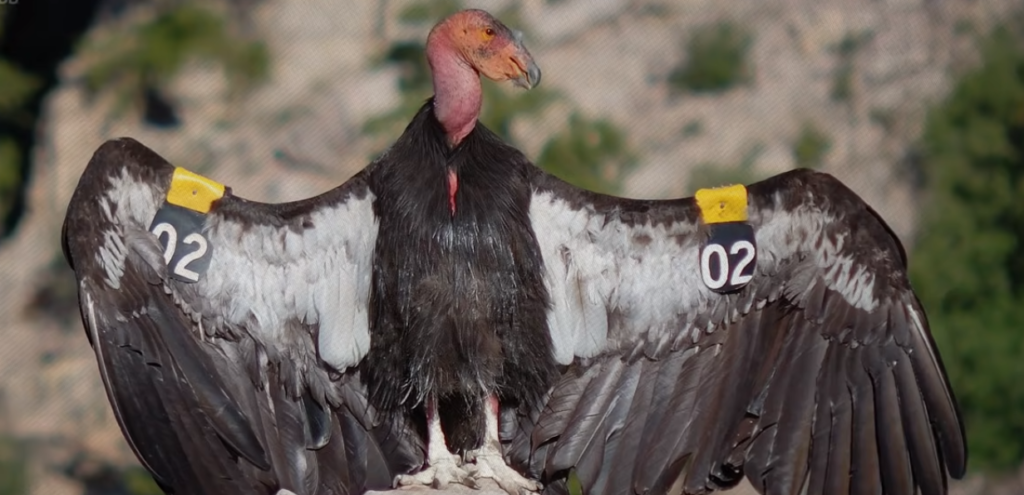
[227, 331]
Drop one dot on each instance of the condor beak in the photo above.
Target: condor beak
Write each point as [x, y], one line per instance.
[529, 71]
[532, 76]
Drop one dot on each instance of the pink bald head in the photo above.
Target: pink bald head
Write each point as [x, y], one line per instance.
[460, 49]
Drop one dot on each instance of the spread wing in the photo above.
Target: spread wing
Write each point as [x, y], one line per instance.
[241, 381]
[820, 374]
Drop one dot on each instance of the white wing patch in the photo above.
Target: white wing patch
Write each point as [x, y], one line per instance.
[111, 257]
[783, 234]
[610, 282]
[135, 201]
[127, 203]
[261, 277]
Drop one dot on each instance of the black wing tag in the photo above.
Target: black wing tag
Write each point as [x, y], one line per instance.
[179, 222]
[728, 258]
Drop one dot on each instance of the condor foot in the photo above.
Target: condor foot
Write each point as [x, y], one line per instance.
[491, 465]
[438, 475]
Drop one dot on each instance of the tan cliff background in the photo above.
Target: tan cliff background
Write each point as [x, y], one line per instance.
[853, 76]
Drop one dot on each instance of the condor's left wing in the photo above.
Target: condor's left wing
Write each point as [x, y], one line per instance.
[767, 332]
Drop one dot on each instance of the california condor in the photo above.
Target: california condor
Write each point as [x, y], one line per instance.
[453, 313]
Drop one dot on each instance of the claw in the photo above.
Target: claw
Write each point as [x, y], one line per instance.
[489, 465]
[444, 468]
[441, 473]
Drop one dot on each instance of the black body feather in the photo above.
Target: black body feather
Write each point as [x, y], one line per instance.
[459, 306]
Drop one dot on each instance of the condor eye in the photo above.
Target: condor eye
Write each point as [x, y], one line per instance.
[489, 31]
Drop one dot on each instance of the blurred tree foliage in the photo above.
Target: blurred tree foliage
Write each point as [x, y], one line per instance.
[429, 12]
[138, 481]
[588, 153]
[968, 263]
[718, 174]
[716, 60]
[16, 87]
[592, 154]
[127, 62]
[811, 147]
[10, 172]
[135, 60]
[845, 72]
[13, 475]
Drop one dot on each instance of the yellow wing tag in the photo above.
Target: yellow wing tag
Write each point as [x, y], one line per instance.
[193, 191]
[728, 258]
[180, 223]
[723, 204]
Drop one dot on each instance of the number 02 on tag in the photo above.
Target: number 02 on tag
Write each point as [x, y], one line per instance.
[728, 259]
[187, 251]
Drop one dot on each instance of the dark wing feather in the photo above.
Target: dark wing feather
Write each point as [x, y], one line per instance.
[146, 375]
[239, 383]
[586, 421]
[629, 437]
[820, 375]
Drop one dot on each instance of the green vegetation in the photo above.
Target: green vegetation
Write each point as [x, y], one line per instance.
[716, 60]
[718, 174]
[846, 50]
[429, 12]
[968, 264]
[16, 87]
[13, 475]
[138, 481]
[10, 173]
[573, 483]
[588, 153]
[811, 147]
[129, 61]
[691, 129]
[501, 105]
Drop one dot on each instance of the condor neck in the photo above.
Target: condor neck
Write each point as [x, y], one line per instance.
[457, 92]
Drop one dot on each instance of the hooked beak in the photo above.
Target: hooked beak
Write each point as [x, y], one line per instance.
[529, 79]
[529, 71]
